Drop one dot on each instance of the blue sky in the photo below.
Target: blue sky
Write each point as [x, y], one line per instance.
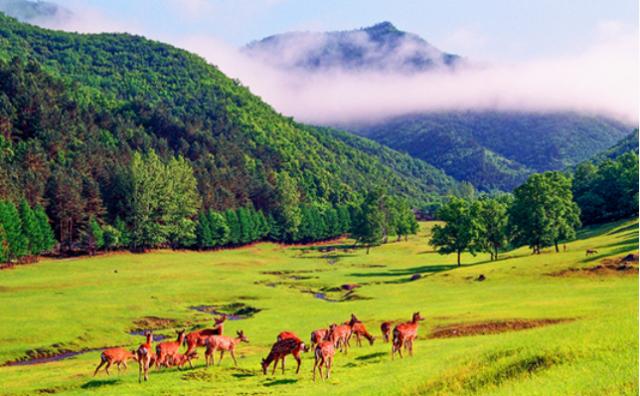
[485, 30]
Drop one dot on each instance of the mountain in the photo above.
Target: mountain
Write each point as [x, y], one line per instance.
[75, 107]
[29, 11]
[381, 47]
[624, 145]
[497, 150]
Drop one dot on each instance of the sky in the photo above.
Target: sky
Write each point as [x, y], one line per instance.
[487, 30]
[524, 55]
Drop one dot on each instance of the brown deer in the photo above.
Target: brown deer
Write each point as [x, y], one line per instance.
[339, 335]
[222, 344]
[385, 328]
[146, 357]
[199, 337]
[359, 330]
[179, 360]
[280, 350]
[324, 353]
[165, 351]
[317, 336]
[287, 334]
[117, 356]
[404, 334]
[591, 251]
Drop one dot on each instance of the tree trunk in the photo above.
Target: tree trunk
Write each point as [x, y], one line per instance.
[495, 254]
[458, 258]
[368, 246]
[557, 250]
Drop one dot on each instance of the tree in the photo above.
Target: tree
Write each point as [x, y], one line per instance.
[459, 231]
[30, 228]
[204, 237]
[111, 237]
[16, 245]
[121, 226]
[543, 211]
[93, 237]
[235, 232]
[368, 222]
[246, 225]
[47, 238]
[492, 221]
[287, 212]
[219, 229]
[183, 202]
[405, 223]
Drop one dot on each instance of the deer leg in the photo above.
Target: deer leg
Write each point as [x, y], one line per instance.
[140, 370]
[221, 355]
[329, 364]
[275, 364]
[315, 365]
[233, 356]
[107, 368]
[124, 363]
[297, 356]
[102, 362]
[282, 363]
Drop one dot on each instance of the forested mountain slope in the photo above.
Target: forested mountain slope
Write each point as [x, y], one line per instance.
[497, 150]
[74, 107]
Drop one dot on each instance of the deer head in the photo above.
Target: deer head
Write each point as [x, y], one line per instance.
[416, 317]
[241, 336]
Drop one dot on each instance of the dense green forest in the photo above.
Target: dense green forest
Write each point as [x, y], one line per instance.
[498, 150]
[75, 110]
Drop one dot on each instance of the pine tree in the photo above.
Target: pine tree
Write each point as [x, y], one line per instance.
[30, 228]
[235, 235]
[246, 225]
[121, 226]
[16, 242]
[220, 231]
[93, 237]
[204, 238]
[47, 238]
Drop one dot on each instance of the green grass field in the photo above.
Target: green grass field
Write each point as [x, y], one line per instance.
[87, 303]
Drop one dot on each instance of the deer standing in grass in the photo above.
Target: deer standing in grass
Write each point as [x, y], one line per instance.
[145, 357]
[359, 330]
[317, 336]
[199, 338]
[222, 344]
[287, 334]
[324, 353]
[404, 334]
[385, 328]
[339, 335]
[117, 356]
[165, 351]
[280, 350]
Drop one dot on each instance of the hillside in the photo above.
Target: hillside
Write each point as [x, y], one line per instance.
[624, 145]
[73, 109]
[381, 47]
[497, 150]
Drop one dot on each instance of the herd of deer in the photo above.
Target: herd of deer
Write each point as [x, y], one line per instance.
[324, 341]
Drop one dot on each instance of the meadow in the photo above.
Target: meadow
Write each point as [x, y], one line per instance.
[583, 337]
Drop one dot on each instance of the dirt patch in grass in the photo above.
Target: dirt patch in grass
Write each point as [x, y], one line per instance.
[337, 297]
[153, 323]
[626, 265]
[491, 327]
[233, 311]
[47, 355]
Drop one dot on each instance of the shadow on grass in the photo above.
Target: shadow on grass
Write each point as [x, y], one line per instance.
[371, 356]
[623, 249]
[408, 271]
[242, 375]
[99, 383]
[281, 382]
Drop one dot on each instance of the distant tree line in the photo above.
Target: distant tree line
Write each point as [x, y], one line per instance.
[543, 212]
[25, 232]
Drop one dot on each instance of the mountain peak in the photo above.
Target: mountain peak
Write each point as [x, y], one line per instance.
[382, 26]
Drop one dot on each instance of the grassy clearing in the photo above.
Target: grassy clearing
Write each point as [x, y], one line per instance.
[87, 303]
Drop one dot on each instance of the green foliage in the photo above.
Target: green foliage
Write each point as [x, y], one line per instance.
[543, 212]
[235, 229]
[123, 232]
[16, 243]
[112, 237]
[47, 239]
[368, 224]
[492, 219]
[287, 213]
[93, 237]
[219, 228]
[30, 228]
[460, 231]
[607, 190]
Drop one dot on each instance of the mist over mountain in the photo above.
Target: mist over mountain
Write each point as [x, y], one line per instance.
[380, 47]
[33, 11]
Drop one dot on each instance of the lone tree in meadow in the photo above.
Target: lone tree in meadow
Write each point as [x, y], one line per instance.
[492, 221]
[543, 211]
[460, 230]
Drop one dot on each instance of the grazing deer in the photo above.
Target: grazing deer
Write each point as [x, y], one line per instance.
[591, 251]
[165, 351]
[324, 353]
[317, 336]
[280, 350]
[359, 330]
[287, 334]
[145, 356]
[385, 327]
[199, 338]
[404, 334]
[222, 344]
[118, 356]
[179, 360]
[339, 335]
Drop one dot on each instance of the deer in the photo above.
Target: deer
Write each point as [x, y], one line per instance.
[118, 356]
[223, 343]
[179, 360]
[287, 334]
[280, 350]
[317, 336]
[591, 251]
[385, 328]
[145, 357]
[165, 351]
[199, 337]
[323, 353]
[339, 335]
[404, 334]
[359, 330]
